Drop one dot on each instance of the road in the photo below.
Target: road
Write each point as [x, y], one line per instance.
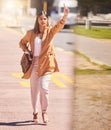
[98, 51]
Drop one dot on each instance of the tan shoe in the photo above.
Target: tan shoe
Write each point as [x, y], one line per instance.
[45, 117]
[35, 117]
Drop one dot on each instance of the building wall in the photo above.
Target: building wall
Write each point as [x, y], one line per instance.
[6, 6]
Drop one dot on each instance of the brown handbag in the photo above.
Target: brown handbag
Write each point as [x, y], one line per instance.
[26, 61]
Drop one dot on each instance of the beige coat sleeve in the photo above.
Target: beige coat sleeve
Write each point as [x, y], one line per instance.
[59, 26]
[23, 42]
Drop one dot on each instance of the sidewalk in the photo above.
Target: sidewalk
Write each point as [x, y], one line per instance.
[15, 102]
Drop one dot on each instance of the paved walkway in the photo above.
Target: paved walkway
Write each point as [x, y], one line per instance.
[97, 50]
[15, 102]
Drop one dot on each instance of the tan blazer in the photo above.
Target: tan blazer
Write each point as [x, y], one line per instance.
[47, 61]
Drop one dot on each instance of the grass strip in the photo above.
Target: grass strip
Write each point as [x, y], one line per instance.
[79, 71]
[104, 69]
[94, 32]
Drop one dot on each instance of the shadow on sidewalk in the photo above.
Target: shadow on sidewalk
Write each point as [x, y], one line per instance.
[20, 123]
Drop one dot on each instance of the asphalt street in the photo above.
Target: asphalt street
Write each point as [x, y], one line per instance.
[99, 51]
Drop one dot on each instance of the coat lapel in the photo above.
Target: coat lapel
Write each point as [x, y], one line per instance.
[44, 34]
[32, 41]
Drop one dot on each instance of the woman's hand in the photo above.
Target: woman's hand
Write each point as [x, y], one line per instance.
[66, 10]
[29, 54]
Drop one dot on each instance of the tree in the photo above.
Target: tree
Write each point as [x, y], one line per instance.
[96, 6]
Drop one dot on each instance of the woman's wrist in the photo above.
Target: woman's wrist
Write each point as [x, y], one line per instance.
[64, 17]
[26, 52]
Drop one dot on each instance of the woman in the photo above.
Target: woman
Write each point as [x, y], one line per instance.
[44, 62]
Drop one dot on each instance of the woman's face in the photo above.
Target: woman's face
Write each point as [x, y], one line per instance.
[43, 20]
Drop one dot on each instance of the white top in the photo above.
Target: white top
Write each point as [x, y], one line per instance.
[37, 46]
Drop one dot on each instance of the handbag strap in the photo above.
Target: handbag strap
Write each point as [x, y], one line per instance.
[29, 42]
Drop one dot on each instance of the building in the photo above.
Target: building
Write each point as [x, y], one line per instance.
[13, 6]
[23, 6]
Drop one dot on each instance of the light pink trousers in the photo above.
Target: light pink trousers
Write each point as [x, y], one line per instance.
[39, 88]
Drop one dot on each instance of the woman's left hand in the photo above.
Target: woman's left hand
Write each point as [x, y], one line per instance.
[66, 10]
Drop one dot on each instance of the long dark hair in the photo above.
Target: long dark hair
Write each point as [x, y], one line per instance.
[36, 26]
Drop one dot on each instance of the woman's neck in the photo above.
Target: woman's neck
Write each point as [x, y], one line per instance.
[41, 29]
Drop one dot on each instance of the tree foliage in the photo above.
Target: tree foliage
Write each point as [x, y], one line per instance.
[96, 6]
